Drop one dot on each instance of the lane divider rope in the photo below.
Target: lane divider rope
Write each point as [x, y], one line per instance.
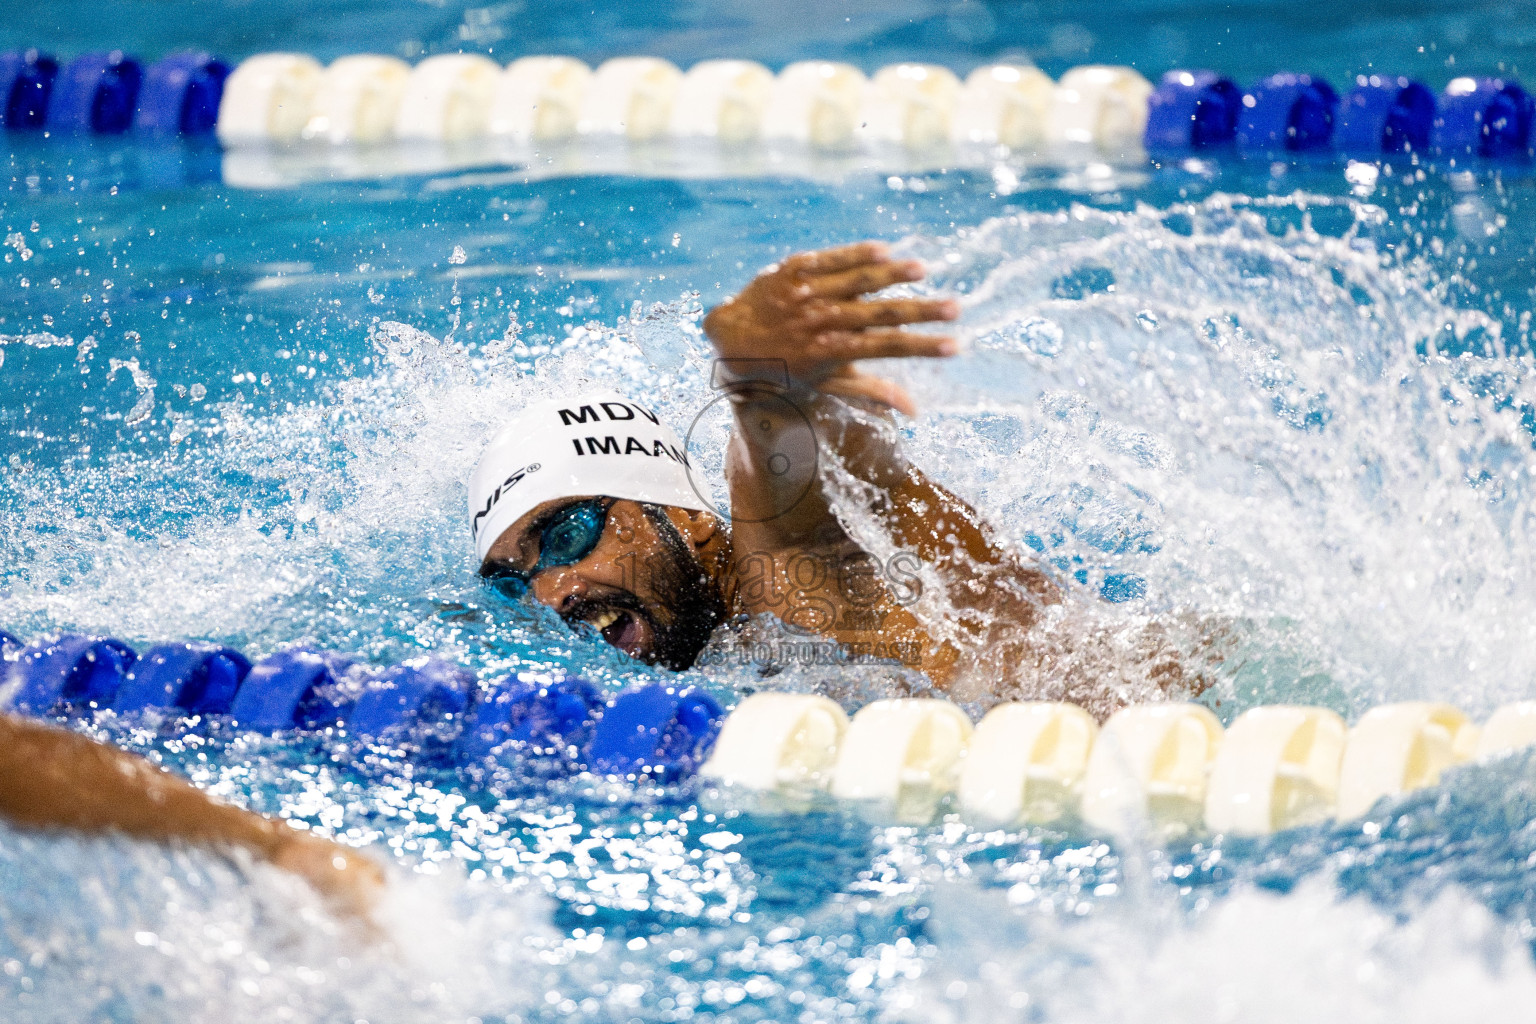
[537, 102]
[1168, 765]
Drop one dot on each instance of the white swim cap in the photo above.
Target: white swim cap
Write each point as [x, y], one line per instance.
[599, 443]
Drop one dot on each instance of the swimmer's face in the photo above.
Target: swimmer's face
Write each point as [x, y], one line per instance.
[638, 575]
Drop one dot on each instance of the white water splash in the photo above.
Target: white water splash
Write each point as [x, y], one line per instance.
[145, 404]
[36, 339]
[1255, 957]
[1247, 421]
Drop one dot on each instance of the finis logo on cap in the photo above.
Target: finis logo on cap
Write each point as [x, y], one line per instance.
[502, 488]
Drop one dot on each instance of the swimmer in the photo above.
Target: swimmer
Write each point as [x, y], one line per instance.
[587, 504]
[50, 778]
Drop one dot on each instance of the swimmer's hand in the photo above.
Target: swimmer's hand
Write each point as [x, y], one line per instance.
[807, 315]
[350, 882]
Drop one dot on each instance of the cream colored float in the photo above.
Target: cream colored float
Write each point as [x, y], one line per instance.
[778, 741]
[903, 755]
[1151, 762]
[539, 99]
[447, 98]
[1005, 105]
[1025, 762]
[357, 100]
[267, 99]
[1510, 728]
[723, 100]
[1397, 748]
[912, 105]
[1101, 106]
[630, 97]
[1278, 767]
[816, 103]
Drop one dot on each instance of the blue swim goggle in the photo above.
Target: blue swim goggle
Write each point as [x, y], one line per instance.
[566, 537]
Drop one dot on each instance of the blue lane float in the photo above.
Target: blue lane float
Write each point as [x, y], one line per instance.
[26, 84]
[523, 714]
[661, 731]
[293, 689]
[1287, 113]
[657, 730]
[70, 673]
[180, 95]
[1383, 114]
[1484, 117]
[410, 695]
[195, 679]
[1192, 110]
[96, 92]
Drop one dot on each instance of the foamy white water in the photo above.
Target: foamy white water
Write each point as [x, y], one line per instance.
[1254, 957]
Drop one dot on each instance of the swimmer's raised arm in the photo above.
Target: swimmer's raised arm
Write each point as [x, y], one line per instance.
[50, 778]
[808, 318]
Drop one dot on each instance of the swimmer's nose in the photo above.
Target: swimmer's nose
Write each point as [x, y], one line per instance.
[559, 588]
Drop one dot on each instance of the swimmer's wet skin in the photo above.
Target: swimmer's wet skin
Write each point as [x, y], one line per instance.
[586, 502]
[50, 778]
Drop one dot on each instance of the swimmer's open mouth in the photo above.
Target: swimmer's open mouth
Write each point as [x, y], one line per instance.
[623, 629]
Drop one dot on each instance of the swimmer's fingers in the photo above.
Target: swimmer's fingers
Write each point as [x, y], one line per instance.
[884, 344]
[850, 284]
[827, 261]
[875, 389]
[849, 316]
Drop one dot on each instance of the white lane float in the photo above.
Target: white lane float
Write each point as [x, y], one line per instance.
[447, 98]
[1510, 728]
[1150, 763]
[1102, 106]
[357, 100]
[723, 100]
[1005, 105]
[267, 99]
[912, 105]
[910, 116]
[816, 103]
[1025, 762]
[902, 756]
[630, 97]
[1397, 748]
[539, 99]
[1168, 765]
[1277, 768]
[775, 741]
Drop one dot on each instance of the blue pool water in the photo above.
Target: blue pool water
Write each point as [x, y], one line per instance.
[1296, 406]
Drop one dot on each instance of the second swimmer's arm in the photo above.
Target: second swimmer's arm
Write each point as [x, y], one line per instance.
[50, 778]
